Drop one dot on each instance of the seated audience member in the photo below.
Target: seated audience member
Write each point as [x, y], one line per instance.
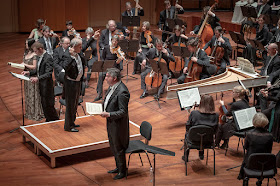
[257, 141]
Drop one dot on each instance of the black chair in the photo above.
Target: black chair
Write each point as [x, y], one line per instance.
[260, 166]
[199, 137]
[137, 146]
[241, 137]
[81, 100]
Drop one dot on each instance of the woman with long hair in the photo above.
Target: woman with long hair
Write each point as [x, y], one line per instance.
[36, 33]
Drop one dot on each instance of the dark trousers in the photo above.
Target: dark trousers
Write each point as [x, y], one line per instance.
[225, 131]
[47, 99]
[89, 65]
[72, 94]
[99, 87]
[222, 67]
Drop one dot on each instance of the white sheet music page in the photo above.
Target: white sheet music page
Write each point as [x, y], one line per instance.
[16, 65]
[188, 97]
[20, 76]
[94, 108]
[244, 117]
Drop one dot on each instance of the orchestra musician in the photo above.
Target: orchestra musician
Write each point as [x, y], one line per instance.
[129, 11]
[74, 65]
[271, 66]
[43, 74]
[224, 130]
[168, 13]
[213, 20]
[221, 41]
[276, 35]
[158, 51]
[48, 41]
[36, 33]
[110, 52]
[90, 43]
[177, 37]
[198, 56]
[107, 34]
[70, 31]
[57, 58]
[147, 41]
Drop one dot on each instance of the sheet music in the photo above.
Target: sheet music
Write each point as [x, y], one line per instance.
[188, 97]
[94, 108]
[16, 65]
[244, 117]
[20, 76]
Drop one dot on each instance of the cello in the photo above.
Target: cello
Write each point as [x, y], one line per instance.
[217, 54]
[205, 32]
[154, 79]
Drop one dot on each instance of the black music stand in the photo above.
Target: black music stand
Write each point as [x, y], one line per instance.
[102, 66]
[131, 21]
[22, 110]
[129, 46]
[239, 40]
[158, 67]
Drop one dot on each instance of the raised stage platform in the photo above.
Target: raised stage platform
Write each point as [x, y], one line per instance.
[51, 138]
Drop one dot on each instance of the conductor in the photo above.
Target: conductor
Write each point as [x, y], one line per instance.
[116, 112]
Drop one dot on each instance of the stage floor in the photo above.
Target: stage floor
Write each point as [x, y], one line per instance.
[51, 138]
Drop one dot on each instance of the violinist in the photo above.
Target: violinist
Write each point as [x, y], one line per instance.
[218, 40]
[90, 43]
[48, 41]
[213, 20]
[70, 31]
[178, 36]
[197, 56]
[158, 51]
[224, 130]
[110, 52]
[147, 41]
[36, 33]
[107, 35]
[168, 13]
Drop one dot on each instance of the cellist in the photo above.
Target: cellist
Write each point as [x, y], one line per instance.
[220, 41]
[147, 41]
[153, 53]
[213, 20]
[197, 56]
[178, 36]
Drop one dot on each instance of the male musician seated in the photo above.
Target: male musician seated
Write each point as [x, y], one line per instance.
[48, 41]
[108, 55]
[90, 43]
[272, 65]
[168, 13]
[129, 11]
[197, 56]
[158, 52]
[57, 58]
[219, 40]
[276, 31]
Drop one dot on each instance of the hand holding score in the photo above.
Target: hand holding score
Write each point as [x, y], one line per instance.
[105, 114]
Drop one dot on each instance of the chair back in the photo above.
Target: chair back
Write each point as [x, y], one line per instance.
[202, 135]
[262, 162]
[146, 131]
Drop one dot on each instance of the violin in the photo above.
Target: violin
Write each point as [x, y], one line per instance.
[153, 79]
[73, 32]
[117, 32]
[148, 36]
[117, 50]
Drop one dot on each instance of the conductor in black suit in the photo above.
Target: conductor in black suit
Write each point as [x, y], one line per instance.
[43, 74]
[49, 40]
[116, 113]
[169, 12]
[57, 57]
[74, 65]
[219, 40]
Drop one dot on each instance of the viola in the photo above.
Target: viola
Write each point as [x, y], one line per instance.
[153, 79]
[148, 36]
[117, 50]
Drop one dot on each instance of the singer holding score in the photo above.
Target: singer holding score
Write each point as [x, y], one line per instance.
[116, 113]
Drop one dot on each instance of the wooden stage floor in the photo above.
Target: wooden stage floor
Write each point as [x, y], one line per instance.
[20, 166]
[51, 138]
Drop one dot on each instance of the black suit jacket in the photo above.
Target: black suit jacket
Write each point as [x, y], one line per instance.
[57, 60]
[162, 16]
[257, 141]
[151, 54]
[54, 42]
[262, 35]
[92, 43]
[273, 66]
[118, 122]
[273, 39]
[225, 45]
[265, 10]
[64, 33]
[140, 12]
[70, 65]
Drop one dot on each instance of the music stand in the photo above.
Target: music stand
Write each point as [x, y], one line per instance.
[102, 66]
[130, 21]
[159, 67]
[129, 46]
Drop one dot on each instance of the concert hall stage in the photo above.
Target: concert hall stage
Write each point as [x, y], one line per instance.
[51, 138]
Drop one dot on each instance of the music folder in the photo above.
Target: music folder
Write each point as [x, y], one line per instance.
[244, 118]
[102, 66]
[188, 98]
[129, 45]
[131, 21]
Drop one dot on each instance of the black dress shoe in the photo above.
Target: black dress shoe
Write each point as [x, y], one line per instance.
[120, 175]
[145, 94]
[77, 125]
[99, 97]
[116, 170]
[74, 130]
